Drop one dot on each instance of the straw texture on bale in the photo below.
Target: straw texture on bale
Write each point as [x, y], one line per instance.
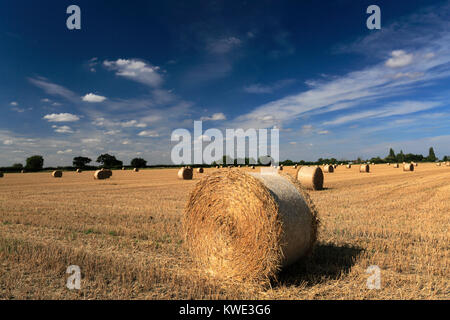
[408, 167]
[102, 174]
[310, 177]
[57, 174]
[328, 169]
[247, 226]
[364, 168]
[185, 173]
[200, 170]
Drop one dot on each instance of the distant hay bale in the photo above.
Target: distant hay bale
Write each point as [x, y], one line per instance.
[1, 174]
[328, 169]
[438, 164]
[57, 174]
[280, 168]
[22, 171]
[408, 167]
[447, 163]
[123, 168]
[335, 166]
[294, 166]
[102, 174]
[388, 164]
[253, 167]
[310, 177]
[365, 168]
[415, 164]
[185, 174]
[199, 170]
[247, 226]
[79, 171]
[396, 165]
[349, 166]
[217, 167]
[136, 170]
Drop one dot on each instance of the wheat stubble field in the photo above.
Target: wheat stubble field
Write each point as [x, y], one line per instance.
[125, 234]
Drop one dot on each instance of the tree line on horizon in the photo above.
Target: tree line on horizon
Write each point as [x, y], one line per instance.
[36, 162]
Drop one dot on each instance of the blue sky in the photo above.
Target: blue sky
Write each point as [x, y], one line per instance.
[137, 70]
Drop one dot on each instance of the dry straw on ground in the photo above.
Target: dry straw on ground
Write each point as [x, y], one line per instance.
[365, 168]
[328, 169]
[57, 174]
[185, 173]
[310, 177]
[408, 167]
[246, 226]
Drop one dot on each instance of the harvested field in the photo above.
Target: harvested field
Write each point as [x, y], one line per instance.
[125, 233]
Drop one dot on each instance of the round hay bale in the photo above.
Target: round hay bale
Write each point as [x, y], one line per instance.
[79, 171]
[438, 164]
[396, 165]
[365, 168]
[217, 167]
[328, 169]
[246, 226]
[388, 164]
[57, 174]
[199, 170]
[447, 163]
[310, 177]
[1, 175]
[136, 170]
[280, 168]
[102, 174]
[22, 171]
[349, 166]
[185, 174]
[123, 168]
[415, 164]
[408, 167]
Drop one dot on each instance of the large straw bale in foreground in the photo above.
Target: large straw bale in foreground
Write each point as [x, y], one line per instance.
[185, 173]
[310, 177]
[408, 167]
[365, 168]
[102, 174]
[246, 226]
[57, 174]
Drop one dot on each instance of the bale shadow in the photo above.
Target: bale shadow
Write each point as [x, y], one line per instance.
[328, 262]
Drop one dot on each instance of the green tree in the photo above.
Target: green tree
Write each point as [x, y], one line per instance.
[138, 163]
[400, 157]
[431, 155]
[17, 166]
[109, 161]
[391, 157]
[35, 163]
[80, 162]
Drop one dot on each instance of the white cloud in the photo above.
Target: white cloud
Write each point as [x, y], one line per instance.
[46, 100]
[90, 97]
[135, 70]
[261, 89]
[214, 117]
[323, 132]
[90, 140]
[62, 129]
[133, 123]
[14, 104]
[148, 133]
[399, 58]
[61, 117]
[65, 151]
[7, 142]
[224, 45]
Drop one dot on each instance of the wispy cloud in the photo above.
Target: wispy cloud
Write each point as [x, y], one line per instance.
[61, 117]
[136, 70]
[214, 117]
